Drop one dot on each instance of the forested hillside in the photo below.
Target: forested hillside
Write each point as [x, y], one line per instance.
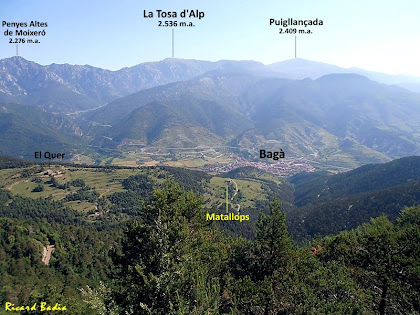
[319, 187]
[173, 262]
[327, 204]
[81, 257]
[133, 240]
[26, 129]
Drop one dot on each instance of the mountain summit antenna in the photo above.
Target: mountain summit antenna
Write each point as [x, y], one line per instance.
[17, 50]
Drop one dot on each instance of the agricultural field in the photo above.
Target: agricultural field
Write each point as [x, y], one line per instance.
[190, 160]
[57, 183]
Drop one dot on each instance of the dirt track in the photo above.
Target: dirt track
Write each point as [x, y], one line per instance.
[234, 195]
[46, 254]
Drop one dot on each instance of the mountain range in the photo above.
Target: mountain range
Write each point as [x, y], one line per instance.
[300, 69]
[337, 117]
[68, 88]
[310, 109]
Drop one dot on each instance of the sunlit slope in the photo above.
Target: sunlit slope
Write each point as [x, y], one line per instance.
[340, 119]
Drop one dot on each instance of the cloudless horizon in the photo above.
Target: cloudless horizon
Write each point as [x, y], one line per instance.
[372, 35]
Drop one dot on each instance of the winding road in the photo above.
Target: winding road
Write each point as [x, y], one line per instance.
[234, 195]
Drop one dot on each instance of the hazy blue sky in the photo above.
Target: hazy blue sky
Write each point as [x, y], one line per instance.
[371, 34]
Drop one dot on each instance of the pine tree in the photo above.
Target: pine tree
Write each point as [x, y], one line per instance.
[384, 258]
[273, 243]
[171, 259]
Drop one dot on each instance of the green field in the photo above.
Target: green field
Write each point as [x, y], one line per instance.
[191, 160]
[249, 188]
[108, 182]
[104, 183]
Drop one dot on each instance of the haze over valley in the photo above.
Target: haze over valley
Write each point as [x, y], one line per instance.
[210, 115]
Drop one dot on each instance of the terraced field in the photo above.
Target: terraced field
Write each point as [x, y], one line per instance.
[244, 192]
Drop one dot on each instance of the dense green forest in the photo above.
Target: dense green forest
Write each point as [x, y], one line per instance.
[81, 257]
[319, 187]
[152, 251]
[327, 204]
[170, 260]
[349, 212]
[173, 262]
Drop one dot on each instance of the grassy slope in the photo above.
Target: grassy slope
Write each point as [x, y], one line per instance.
[109, 183]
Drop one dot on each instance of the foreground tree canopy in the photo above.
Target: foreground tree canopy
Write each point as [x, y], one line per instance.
[173, 261]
